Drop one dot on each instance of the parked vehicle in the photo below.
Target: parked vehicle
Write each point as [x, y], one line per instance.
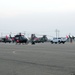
[6, 40]
[58, 40]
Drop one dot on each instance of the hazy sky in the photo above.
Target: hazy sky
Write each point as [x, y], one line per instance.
[37, 16]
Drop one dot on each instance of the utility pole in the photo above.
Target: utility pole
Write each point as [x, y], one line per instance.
[1, 34]
[57, 33]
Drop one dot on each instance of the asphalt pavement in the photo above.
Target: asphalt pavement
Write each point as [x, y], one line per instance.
[38, 59]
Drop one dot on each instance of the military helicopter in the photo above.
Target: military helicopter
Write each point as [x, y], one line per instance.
[19, 38]
[35, 39]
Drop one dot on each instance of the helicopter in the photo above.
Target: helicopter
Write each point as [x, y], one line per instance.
[19, 38]
[35, 39]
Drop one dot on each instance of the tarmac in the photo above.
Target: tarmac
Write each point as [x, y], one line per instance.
[38, 59]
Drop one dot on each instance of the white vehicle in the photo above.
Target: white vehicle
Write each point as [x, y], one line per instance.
[58, 40]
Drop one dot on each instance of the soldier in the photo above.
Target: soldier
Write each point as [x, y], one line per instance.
[32, 38]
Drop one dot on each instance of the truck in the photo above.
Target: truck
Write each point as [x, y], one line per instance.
[58, 40]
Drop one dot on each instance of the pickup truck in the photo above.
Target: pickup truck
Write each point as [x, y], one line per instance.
[58, 40]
